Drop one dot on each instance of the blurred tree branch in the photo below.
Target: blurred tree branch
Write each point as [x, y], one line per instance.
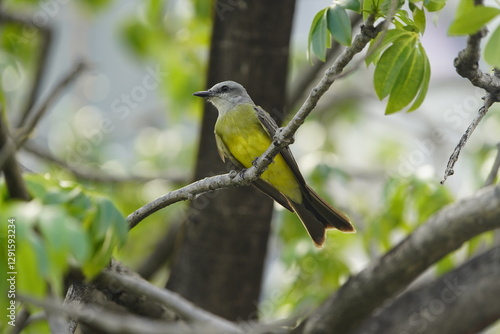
[443, 233]
[185, 309]
[494, 169]
[30, 124]
[163, 251]
[453, 303]
[8, 164]
[99, 318]
[96, 176]
[46, 34]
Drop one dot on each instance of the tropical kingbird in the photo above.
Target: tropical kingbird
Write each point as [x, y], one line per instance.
[243, 132]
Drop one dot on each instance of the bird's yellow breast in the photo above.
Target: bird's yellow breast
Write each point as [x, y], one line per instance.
[244, 137]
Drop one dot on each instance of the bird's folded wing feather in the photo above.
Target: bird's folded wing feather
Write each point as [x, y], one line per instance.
[271, 127]
[260, 184]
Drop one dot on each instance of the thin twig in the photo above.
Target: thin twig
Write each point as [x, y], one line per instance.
[494, 169]
[282, 138]
[46, 34]
[25, 132]
[488, 101]
[96, 176]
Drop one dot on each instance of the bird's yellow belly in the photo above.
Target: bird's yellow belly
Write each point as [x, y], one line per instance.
[247, 144]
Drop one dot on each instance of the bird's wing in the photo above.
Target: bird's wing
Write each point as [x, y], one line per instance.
[270, 191]
[221, 147]
[260, 184]
[270, 126]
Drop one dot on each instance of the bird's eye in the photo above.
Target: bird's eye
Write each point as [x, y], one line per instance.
[224, 88]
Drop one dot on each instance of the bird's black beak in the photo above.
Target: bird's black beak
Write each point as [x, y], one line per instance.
[204, 93]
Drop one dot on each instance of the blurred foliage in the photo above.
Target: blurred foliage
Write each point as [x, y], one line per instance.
[407, 202]
[165, 26]
[469, 18]
[64, 226]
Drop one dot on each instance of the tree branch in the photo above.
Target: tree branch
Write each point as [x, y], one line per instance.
[488, 101]
[441, 234]
[95, 176]
[78, 294]
[467, 66]
[185, 309]
[282, 138]
[97, 317]
[494, 169]
[54, 95]
[46, 34]
[453, 303]
[58, 321]
[8, 164]
[129, 298]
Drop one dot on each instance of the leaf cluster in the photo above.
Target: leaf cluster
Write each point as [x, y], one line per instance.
[402, 68]
[65, 226]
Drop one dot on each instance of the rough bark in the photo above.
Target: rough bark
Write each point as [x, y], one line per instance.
[459, 302]
[220, 260]
[443, 233]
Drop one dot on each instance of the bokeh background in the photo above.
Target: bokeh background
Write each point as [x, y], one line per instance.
[132, 117]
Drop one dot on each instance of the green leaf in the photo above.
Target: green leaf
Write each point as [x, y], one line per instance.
[407, 83]
[419, 19]
[389, 66]
[382, 41]
[354, 5]
[434, 5]
[425, 81]
[386, 6]
[492, 49]
[339, 24]
[369, 7]
[318, 35]
[32, 262]
[470, 18]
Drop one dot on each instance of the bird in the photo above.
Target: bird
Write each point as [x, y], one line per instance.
[243, 131]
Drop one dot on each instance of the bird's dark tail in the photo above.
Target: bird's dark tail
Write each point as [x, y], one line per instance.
[317, 216]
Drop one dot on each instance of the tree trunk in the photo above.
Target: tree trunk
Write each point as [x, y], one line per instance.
[220, 260]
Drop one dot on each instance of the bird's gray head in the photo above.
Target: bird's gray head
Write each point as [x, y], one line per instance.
[226, 95]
